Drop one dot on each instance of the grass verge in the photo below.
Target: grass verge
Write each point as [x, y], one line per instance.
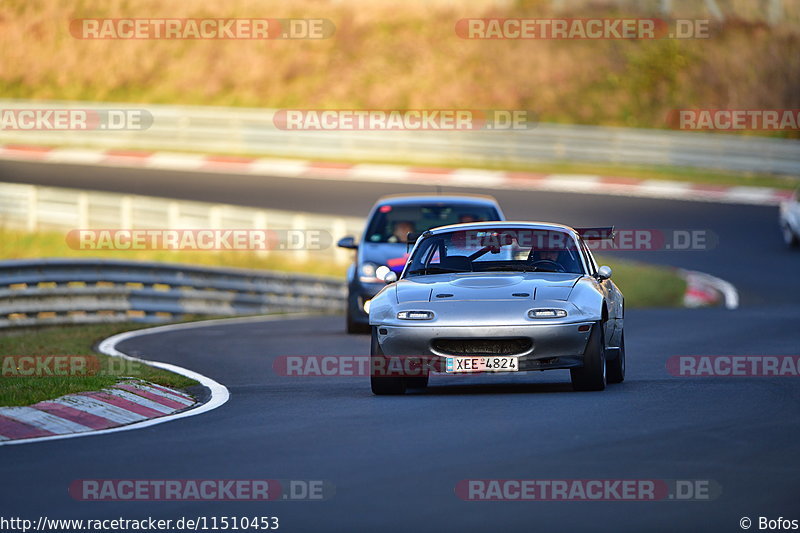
[646, 285]
[71, 340]
[17, 244]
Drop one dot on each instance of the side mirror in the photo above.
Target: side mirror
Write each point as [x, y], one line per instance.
[347, 242]
[386, 274]
[604, 272]
[411, 240]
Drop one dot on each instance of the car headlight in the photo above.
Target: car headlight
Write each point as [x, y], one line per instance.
[547, 313]
[415, 315]
[367, 272]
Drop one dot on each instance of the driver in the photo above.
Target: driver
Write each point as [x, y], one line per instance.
[563, 258]
[545, 255]
[400, 231]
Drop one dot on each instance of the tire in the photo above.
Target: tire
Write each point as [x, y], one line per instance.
[354, 327]
[420, 382]
[383, 385]
[789, 237]
[615, 368]
[592, 375]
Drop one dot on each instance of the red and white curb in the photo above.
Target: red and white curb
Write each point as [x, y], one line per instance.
[75, 415]
[473, 178]
[125, 403]
[705, 290]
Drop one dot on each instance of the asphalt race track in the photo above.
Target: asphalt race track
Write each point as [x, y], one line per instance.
[395, 461]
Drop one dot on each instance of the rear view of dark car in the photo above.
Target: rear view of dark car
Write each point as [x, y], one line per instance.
[384, 242]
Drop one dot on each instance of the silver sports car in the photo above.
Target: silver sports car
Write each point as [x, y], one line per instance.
[498, 297]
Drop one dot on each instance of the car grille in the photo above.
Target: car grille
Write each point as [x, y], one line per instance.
[482, 346]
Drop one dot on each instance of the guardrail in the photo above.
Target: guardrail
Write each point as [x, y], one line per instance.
[33, 208]
[251, 131]
[66, 291]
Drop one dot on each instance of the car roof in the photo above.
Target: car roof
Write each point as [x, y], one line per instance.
[504, 224]
[407, 199]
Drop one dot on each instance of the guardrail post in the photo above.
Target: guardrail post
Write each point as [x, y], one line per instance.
[126, 212]
[33, 209]
[260, 222]
[774, 12]
[716, 12]
[173, 215]
[83, 210]
[299, 225]
[215, 217]
[339, 230]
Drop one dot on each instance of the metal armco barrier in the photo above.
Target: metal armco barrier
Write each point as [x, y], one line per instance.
[66, 291]
[35, 208]
[251, 131]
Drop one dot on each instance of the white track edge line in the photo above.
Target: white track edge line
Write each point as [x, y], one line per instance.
[219, 393]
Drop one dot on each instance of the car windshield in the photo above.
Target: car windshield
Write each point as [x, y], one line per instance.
[393, 223]
[496, 250]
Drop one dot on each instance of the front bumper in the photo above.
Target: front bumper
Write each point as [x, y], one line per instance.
[551, 345]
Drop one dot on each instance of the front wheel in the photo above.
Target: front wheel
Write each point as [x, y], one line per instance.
[382, 385]
[592, 375]
[615, 368]
[354, 327]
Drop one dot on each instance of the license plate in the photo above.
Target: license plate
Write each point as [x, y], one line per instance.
[481, 363]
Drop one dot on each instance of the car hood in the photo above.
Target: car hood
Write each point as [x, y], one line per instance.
[501, 286]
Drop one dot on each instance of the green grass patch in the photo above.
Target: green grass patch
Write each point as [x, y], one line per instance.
[646, 285]
[18, 244]
[71, 340]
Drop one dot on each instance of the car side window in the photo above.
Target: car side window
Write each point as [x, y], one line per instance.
[590, 262]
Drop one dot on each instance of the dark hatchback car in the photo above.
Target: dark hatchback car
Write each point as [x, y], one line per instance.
[385, 240]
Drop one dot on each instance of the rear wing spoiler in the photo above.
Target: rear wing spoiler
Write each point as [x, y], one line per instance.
[596, 234]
